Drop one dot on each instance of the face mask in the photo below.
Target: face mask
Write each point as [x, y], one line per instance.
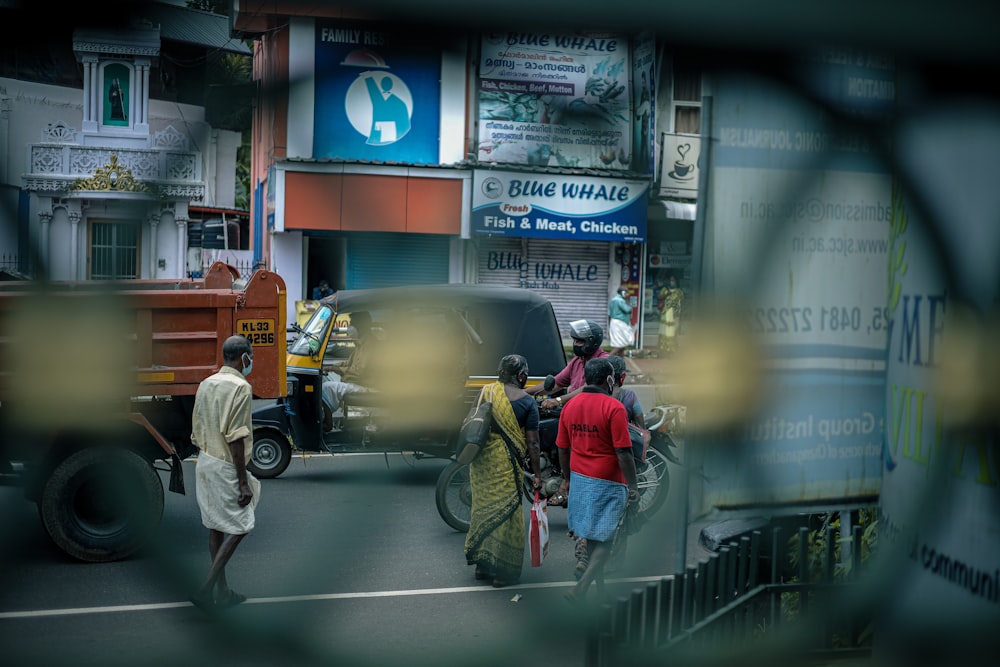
[247, 364]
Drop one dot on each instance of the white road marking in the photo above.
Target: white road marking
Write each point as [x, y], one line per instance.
[326, 455]
[79, 611]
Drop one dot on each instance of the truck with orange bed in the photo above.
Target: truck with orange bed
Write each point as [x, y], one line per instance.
[97, 385]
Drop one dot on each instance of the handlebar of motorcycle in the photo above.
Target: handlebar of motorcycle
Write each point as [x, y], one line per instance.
[546, 412]
[656, 419]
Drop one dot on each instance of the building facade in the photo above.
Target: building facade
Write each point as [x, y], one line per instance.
[107, 154]
[387, 154]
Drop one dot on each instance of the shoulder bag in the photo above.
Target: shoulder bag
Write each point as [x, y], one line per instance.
[475, 430]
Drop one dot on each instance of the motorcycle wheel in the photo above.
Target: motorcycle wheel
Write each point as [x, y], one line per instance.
[654, 481]
[453, 496]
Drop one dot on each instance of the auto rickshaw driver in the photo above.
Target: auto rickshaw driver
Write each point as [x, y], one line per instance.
[356, 371]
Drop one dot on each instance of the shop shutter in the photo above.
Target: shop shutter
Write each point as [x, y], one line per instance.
[498, 261]
[556, 269]
[574, 299]
[386, 260]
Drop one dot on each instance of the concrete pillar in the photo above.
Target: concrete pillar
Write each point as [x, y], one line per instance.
[154, 222]
[4, 136]
[142, 95]
[74, 242]
[44, 220]
[181, 246]
[91, 110]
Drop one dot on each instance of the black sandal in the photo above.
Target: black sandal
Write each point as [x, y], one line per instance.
[203, 602]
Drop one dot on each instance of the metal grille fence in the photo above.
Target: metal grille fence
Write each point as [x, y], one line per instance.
[15, 264]
[245, 267]
[737, 607]
[737, 601]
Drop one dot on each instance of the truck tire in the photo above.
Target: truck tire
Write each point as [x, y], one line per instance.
[100, 504]
[271, 454]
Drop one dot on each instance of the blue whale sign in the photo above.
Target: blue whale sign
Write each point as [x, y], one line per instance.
[559, 207]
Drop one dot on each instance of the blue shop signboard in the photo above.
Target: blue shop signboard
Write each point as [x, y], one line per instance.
[378, 94]
[556, 206]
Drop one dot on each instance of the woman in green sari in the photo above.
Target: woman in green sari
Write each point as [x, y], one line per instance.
[495, 541]
[670, 316]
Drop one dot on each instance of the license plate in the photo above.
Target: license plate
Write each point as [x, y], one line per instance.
[260, 332]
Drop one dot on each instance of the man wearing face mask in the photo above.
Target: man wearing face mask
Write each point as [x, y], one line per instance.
[227, 492]
[587, 338]
[594, 446]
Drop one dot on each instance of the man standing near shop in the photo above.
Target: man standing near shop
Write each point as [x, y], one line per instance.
[227, 492]
[594, 446]
[620, 322]
[322, 290]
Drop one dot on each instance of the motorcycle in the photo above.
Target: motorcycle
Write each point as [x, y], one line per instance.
[453, 492]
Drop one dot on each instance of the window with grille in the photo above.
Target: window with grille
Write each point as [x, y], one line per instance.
[686, 99]
[114, 250]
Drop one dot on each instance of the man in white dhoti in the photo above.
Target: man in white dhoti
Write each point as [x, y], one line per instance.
[620, 330]
[227, 492]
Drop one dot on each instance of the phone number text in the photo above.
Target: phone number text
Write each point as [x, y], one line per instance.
[822, 318]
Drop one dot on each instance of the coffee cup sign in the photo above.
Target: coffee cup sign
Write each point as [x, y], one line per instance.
[679, 171]
[682, 169]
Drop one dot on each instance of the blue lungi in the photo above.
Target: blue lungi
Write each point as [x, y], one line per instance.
[595, 506]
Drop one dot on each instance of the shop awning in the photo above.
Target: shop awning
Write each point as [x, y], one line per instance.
[678, 210]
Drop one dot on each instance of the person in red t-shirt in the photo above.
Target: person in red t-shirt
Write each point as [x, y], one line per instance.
[587, 338]
[594, 446]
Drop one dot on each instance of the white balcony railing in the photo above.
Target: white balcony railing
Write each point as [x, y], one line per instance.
[58, 162]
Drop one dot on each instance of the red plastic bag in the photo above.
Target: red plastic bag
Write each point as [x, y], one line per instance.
[538, 533]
